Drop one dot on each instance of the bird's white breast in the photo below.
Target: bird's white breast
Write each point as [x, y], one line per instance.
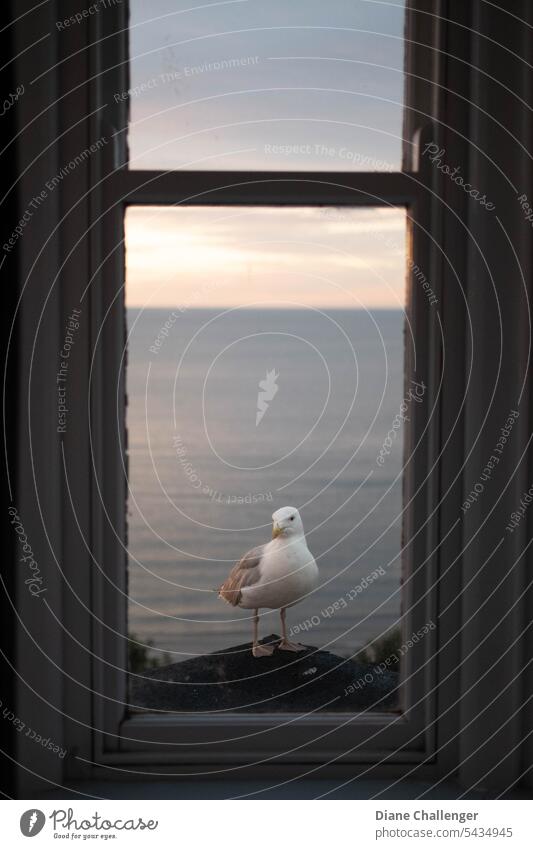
[288, 573]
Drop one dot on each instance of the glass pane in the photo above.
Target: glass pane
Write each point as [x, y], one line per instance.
[265, 369]
[266, 85]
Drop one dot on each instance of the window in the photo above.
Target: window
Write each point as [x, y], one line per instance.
[350, 199]
[174, 212]
[463, 683]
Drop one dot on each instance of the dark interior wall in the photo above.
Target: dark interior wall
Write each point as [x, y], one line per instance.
[8, 340]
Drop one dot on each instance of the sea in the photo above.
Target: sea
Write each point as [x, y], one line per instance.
[235, 412]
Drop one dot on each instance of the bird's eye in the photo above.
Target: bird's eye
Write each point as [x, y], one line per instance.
[292, 518]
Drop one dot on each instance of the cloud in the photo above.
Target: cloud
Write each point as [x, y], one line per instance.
[265, 253]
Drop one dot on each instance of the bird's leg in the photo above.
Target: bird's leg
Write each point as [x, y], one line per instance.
[285, 645]
[257, 649]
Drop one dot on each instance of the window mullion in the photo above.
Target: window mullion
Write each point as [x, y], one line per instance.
[262, 188]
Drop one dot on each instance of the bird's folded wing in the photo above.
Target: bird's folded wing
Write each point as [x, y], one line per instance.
[245, 573]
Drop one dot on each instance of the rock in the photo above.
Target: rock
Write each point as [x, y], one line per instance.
[234, 680]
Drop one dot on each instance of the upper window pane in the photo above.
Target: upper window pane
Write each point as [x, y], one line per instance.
[249, 84]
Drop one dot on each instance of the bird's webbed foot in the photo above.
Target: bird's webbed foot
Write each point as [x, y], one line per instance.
[285, 645]
[260, 650]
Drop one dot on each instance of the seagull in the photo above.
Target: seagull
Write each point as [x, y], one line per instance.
[275, 575]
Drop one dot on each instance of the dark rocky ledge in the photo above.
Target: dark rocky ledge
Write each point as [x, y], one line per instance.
[233, 679]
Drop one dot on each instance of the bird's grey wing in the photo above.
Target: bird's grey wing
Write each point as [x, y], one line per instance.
[245, 572]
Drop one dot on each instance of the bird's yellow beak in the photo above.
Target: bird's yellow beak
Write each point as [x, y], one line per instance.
[276, 531]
